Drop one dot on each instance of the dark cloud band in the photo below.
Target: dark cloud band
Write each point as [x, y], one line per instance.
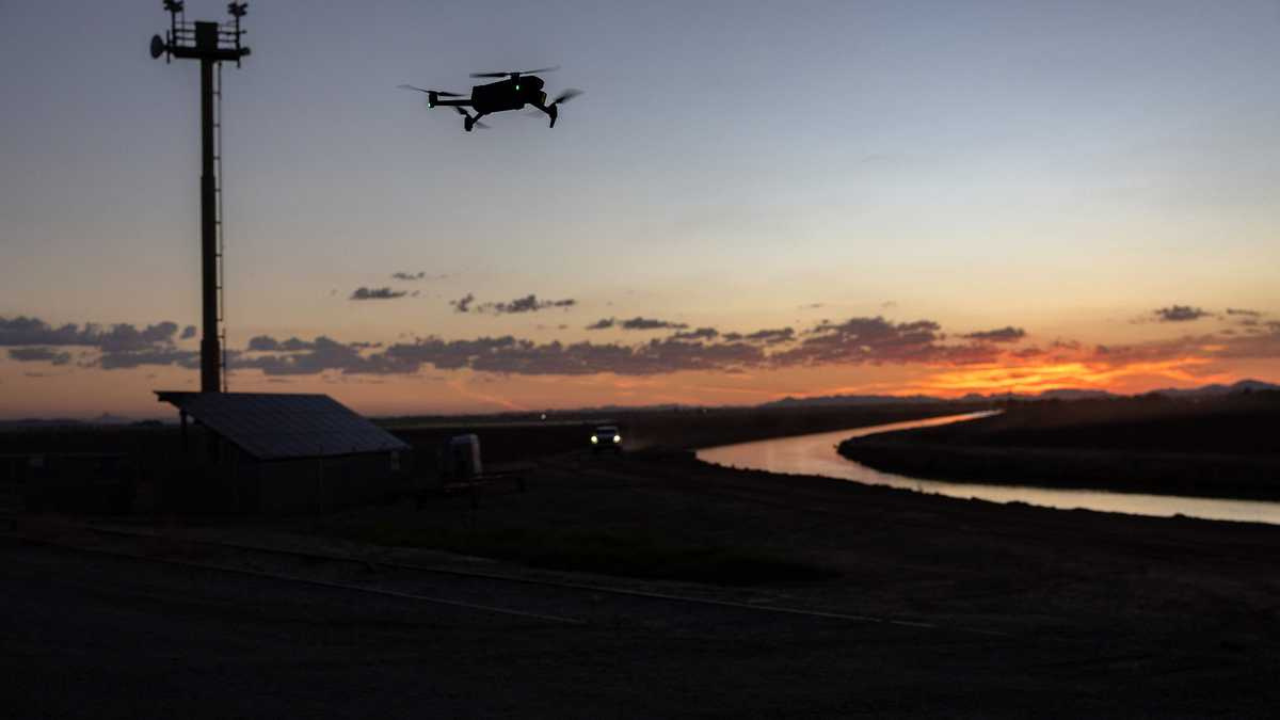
[382, 293]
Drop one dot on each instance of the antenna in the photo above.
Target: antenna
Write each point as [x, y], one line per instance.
[212, 44]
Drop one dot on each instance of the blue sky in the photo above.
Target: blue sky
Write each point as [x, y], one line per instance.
[1059, 166]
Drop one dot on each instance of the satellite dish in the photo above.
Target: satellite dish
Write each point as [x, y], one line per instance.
[157, 47]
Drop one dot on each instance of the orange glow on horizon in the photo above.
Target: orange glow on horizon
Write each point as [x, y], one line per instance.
[1084, 375]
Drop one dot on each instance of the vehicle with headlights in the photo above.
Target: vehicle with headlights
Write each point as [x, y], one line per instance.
[606, 438]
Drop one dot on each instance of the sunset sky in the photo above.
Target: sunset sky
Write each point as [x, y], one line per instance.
[751, 200]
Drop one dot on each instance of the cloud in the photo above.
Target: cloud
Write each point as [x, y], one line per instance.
[153, 356]
[506, 355]
[1246, 313]
[266, 343]
[127, 338]
[702, 333]
[854, 341]
[420, 275]
[870, 340]
[121, 337]
[121, 345]
[771, 337]
[382, 293]
[463, 304]
[39, 354]
[315, 357]
[31, 331]
[858, 340]
[643, 323]
[528, 303]
[188, 332]
[602, 324]
[1262, 342]
[1002, 335]
[1180, 313]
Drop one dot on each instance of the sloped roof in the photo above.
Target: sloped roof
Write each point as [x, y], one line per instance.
[272, 426]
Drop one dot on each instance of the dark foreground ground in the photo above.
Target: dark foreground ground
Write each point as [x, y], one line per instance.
[1219, 447]
[1001, 611]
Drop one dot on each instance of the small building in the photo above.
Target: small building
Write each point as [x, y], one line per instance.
[267, 452]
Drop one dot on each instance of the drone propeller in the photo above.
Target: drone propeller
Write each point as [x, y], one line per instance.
[515, 73]
[566, 96]
[441, 93]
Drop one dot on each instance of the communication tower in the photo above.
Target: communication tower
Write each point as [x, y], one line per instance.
[212, 44]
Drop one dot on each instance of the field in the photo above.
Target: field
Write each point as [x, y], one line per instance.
[910, 605]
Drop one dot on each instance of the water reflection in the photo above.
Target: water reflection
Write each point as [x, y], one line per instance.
[816, 455]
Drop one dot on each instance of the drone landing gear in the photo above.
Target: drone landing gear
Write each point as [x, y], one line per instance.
[470, 121]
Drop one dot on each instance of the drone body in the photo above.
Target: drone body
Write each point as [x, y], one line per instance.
[514, 92]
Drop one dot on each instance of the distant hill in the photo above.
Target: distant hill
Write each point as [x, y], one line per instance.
[1217, 390]
[103, 420]
[825, 401]
[832, 400]
[25, 423]
[1074, 394]
[1206, 391]
[837, 400]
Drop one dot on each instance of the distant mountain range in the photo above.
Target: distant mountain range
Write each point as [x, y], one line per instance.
[1205, 391]
[105, 419]
[1217, 390]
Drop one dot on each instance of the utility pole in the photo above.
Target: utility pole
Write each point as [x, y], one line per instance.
[211, 43]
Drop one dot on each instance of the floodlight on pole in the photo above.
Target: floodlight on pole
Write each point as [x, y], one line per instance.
[212, 44]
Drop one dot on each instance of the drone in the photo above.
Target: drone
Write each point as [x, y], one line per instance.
[513, 92]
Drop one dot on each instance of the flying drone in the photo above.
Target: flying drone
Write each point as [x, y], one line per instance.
[516, 90]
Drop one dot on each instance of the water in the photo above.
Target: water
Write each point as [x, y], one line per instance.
[816, 455]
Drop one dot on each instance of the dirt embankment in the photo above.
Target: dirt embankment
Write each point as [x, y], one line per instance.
[1224, 447]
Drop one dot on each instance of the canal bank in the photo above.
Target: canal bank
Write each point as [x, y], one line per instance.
[818, 454]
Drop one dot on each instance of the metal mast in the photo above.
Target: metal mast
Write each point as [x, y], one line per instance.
[211, 43]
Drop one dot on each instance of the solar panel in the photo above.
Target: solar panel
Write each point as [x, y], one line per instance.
[275, 427]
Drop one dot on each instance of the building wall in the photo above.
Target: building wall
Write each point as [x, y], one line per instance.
[317, 484]
[220, 478]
